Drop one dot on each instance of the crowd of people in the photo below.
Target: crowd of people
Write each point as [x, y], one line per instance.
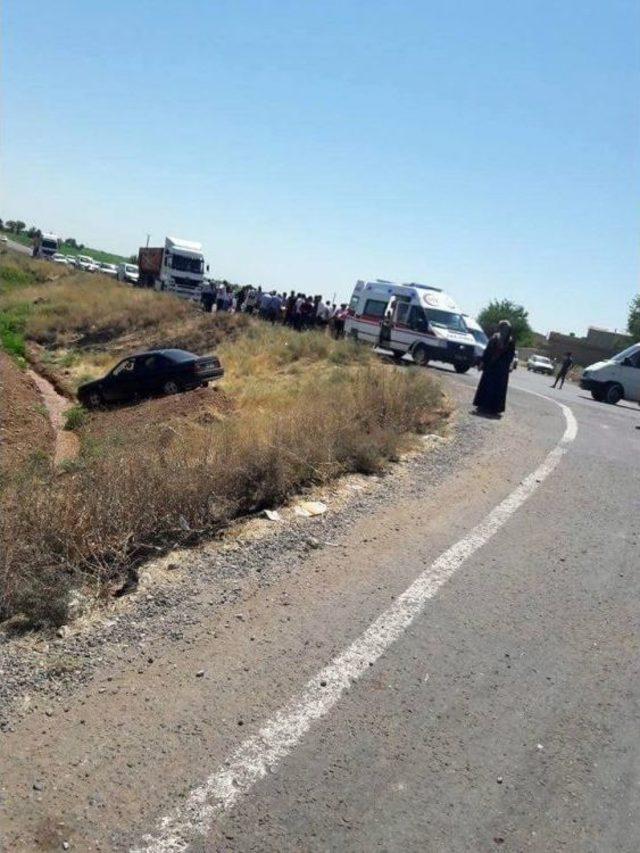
[297, 310]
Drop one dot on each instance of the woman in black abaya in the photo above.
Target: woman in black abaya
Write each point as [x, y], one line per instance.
[496, 361]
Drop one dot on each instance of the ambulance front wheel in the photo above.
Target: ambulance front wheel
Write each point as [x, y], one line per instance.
[461, 366]
[420, 355]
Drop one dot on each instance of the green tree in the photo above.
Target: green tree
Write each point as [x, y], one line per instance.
[504, 309]
[10, 225]
[20, 226]
[633, 323]
[32, 231]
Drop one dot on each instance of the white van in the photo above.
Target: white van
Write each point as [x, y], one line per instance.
[479, 336]
[615, 379]
[410, 318]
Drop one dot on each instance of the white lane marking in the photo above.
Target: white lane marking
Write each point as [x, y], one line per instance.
[260, 754]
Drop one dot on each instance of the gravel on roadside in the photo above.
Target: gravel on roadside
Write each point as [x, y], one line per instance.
[38, 670]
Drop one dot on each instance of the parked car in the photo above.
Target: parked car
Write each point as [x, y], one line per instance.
[4, 238]
[86, 263]
[615, 379]
[128, 272]
[163, 371]
[57, 258]
[540, 364]
[108, 269]
[514, 363]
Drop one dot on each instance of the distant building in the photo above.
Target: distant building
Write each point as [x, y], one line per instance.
[598, 345]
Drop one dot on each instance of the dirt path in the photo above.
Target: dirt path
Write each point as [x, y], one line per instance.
[67, 445]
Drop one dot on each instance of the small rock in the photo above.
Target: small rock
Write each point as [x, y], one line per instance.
[200, 673]
[499, 780]
[38, 786]
[312, 542]
[65, 845]
[171, 567]
[61, 632]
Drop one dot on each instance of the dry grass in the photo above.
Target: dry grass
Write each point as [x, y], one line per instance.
[98, 520]
[296, 409]
[87, 309]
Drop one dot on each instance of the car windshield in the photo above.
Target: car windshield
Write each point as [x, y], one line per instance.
[131, 269]
[185, 263]
[632, 350]
[446, 320]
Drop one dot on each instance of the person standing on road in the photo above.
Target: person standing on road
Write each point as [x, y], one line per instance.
[221, 295]
[207, 297]
[565, 367]
[338, 321]
[491, 394]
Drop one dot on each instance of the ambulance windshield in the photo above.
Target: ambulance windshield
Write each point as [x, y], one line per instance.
[446, 320]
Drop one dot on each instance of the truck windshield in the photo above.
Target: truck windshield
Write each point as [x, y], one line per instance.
[50, 244]
[446, 319]
[184, 263]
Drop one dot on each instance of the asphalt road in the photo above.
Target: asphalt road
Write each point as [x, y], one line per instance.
[18, 247]
[495, 706]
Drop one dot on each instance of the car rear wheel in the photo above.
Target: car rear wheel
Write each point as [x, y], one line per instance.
[613, 394]
[420, 355]
[461, 366]
[598, 395]
[93, 400]
[171, 387]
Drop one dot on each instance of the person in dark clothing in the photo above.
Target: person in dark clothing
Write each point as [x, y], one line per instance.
[491, 394]
[565, 367]
[207, 298]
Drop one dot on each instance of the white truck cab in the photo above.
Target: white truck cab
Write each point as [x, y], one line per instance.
[46, 245]
[417, 319]
[177, 267]
[182, 269]
[615, 379]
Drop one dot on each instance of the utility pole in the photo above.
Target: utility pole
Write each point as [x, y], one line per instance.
[148, 235]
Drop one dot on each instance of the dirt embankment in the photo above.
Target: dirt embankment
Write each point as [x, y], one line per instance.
[25, 428]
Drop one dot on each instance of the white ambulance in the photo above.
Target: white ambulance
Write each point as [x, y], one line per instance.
[411, 318]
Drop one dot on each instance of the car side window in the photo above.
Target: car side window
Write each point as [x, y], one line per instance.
[634, 360]
[125, 367]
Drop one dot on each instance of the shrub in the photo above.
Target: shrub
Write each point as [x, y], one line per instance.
[75, 417]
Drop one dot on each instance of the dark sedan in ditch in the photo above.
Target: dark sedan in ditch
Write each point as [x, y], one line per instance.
[161, 371]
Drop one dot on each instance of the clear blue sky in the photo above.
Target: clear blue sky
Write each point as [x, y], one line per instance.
[488, 147]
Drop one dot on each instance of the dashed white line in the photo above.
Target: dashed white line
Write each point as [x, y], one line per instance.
[260, 754]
